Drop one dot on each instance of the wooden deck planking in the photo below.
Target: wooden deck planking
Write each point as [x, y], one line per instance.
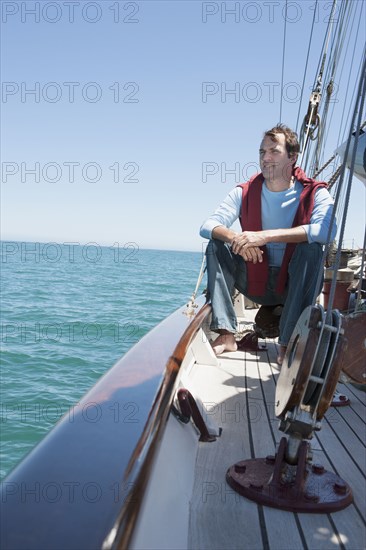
[219, 517]
[345, 459]
[348, 524]
[354, 422]
[281, 529]
[359, 394]
[347, 439]
[318, 528]
[227, 518]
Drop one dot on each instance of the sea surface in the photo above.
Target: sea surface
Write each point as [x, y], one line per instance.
[68, 313]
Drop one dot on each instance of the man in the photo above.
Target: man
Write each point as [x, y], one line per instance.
[275, 259]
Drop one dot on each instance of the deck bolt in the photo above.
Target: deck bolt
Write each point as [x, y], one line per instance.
[240, 468]
[293, 381]
[340, 487]
[317, 469]
[278, 402]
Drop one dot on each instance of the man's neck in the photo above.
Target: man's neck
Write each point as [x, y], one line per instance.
[280, 184]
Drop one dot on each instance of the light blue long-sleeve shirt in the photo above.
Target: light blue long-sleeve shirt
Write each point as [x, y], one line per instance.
[278, 212]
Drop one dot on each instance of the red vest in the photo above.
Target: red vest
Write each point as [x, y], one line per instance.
[251, 220]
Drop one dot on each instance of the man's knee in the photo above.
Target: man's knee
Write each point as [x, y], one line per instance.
[308, 252]
[214, 246]
[304, 270]
[219, 251]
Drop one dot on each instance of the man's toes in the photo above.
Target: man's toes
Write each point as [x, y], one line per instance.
[219, 349]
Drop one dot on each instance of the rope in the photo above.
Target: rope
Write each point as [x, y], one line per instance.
[308, 131]
[192, 304]
[334, 58]
[329, 75]
[340, 78]
[327, 247]
[335, 176]
[312, 120]
[360, 99]
[283, 60]
[306, 64]
[358, 107]
[324, 166]
[327, 38]
[341, 139]
[321, 132]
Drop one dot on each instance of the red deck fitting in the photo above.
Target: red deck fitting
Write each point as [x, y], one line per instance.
[303, 488]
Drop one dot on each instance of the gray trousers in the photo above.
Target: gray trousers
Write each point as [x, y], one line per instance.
[226, 271]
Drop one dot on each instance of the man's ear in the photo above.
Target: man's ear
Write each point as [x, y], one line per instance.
[293, 158]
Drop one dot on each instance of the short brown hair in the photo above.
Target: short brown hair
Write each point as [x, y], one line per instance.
[292, 143]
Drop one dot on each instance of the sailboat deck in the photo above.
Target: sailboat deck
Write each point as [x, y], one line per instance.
[239, 394]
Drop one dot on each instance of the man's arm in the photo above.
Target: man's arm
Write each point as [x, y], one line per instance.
[248, 243]
[321, 218]
[261, 238]
[316, 231]
[250, 253]
[225, 215]
[218, 225]
[223, 233]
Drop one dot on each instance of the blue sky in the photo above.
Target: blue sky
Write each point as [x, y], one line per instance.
[131, 131]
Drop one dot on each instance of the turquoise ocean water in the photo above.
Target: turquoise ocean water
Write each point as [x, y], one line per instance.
[68, 312]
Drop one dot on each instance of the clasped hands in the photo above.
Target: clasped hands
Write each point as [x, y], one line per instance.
[247, 245]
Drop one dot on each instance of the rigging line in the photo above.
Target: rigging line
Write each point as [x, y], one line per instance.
[324, 166]
[329, 75]
[199, 280]
[283, 61]
[306, 137]
[351, 65]
[316, 93]
[344, 31]
[306, 66]
[358, 107]
[362, 83]
[307, 159]
[344, 24]
[323, 55]
[340, 140]
[335, 176]
[341, 73]
[335, 47]
[341, 33]
[350, 106]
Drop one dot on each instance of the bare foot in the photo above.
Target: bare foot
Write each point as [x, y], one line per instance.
[224, 342]
[281, 355]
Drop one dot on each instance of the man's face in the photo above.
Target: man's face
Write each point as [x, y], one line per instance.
[274, 160]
